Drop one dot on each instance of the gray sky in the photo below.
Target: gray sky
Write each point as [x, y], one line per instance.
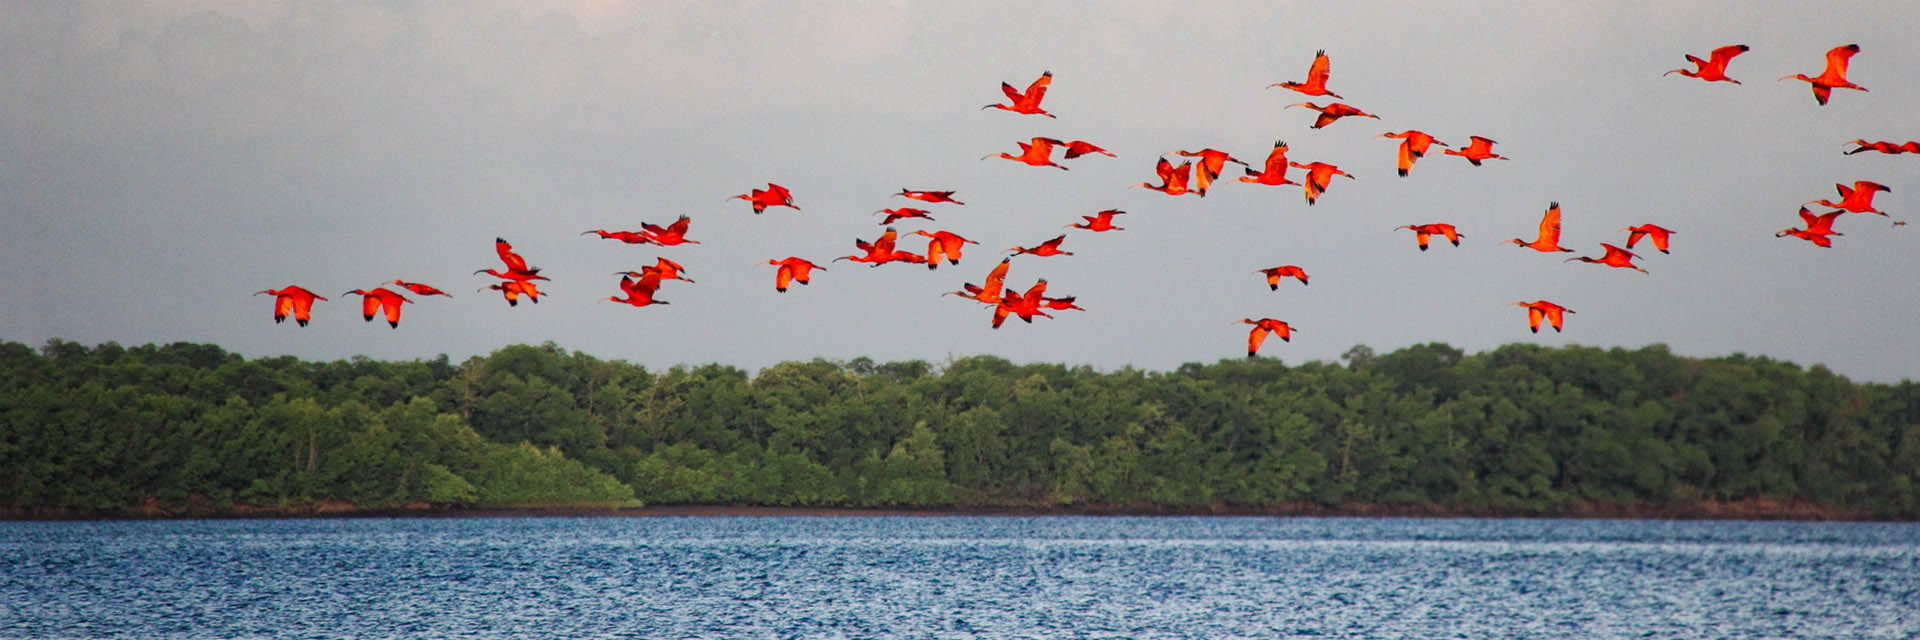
[163, 161]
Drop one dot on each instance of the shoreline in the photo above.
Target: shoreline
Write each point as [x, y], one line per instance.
[1752, 509]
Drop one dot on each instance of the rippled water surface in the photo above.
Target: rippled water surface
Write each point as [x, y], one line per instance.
[958, 577]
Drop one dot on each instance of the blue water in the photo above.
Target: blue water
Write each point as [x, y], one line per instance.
[958, 577]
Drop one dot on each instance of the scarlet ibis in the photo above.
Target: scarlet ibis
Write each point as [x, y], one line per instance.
[662, 267]
[1549, 238]
[1818, 231]
[419, 289]
[990, 292]
[1542, 309]
[1284, 271]
[669, 235]
[773, 196]
[902, 213]
[1260, 329]
[1274, 172]
[1102, 221]
[639, 292]
[380, 299]
[1319, 177]
[1835, 75]
[1713, 69]
[1027, 102]
[1333, 111]
[1421, 232]
[1855, 199]
[1615, 257]
[1173, 180]
[517, 268]
[1038, 153]
[1077, 148]
[792, 269]
[1208, 167]
[1884, 147]
[880, 251]
[292, 300]
[945, 244]
[1413, 147]
[513, 289]
[629, 237]
[1317, 74]
[1025, 306]
[1477, 150]
[1650, 231]
[1044, 249]
[929, 196]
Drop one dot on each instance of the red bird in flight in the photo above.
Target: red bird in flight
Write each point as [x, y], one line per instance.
[1274, 172]
[1319, 177]
[1855, 199]
[669, 235]
[1884, 147]
[292, 300]
[1549, 238]
[1333, 111]
[1413, 147]
[904, 213]
[1208, 167]
[792, 269]
[943, 244]
[1539, 309]
[1102, 221]
[1477, 150]
[1317, 74]
[1615, 257]
[1038, 153]
[1833, 77]
[1421, 232]
[929, 196]
[773, 196]
[419, 289]
[1284, 271]
[1713, 69]
[1654, 232]
[1173, 180]
[1819, 229]
[1044, 249]
[380, 299]
[1079, 148]
[1260, 329]
[1028, 101]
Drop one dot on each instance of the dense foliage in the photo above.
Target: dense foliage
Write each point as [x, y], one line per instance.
[1521, 428]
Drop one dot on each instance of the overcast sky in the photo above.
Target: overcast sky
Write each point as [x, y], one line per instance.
[163, 161]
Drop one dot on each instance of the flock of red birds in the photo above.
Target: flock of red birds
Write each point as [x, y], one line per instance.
[1194, 174]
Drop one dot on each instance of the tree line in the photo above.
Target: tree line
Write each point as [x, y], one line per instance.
[1519, 429]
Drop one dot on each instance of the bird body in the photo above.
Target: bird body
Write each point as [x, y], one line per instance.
[773, 196]
[380, 299]
[1422, 232]
[1319, 177]
[1654, 232]
[1615, 257]
[1413, 146]
[929, 196]
[1037, 153]
[1833, 77]
[292, 300]
[1333, 111]
[1044, 249]
[1173, 179]
[1027, 102]
[1274, 171]
[943, 244]
[1478, 149]
[670, 235]
[1208, 167]
[1855, 199]
[1317, 75]
[1883, 146]
[419, 289]
[1549, 238]
[1713, 69]
[902, 213]
[1102, 221]
[1541, 309]
[1261, 328]
[1284, 271]
[1077, 148]
[792, 269]
[629, 237]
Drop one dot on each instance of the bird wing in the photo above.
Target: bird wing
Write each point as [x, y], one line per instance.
[1321, 70]
[1550, 225]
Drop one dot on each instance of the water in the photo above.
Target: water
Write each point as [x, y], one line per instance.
[958, 577]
